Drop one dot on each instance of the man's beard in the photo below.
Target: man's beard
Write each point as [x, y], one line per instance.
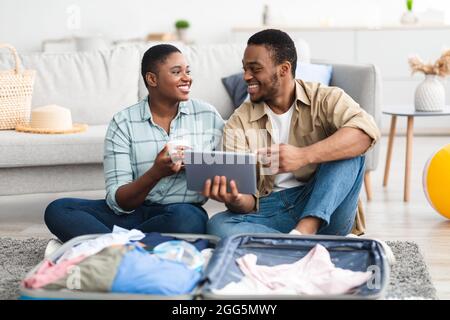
[272, 90]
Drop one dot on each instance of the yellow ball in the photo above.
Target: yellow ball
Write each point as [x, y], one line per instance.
[436, 181]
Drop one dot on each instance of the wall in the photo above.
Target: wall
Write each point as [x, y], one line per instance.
[25, 23]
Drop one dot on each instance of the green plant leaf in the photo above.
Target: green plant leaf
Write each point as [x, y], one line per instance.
[182, 24]
[409, 4]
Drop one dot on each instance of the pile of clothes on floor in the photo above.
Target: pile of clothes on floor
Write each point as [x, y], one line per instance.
[132, 262]
[126, 262]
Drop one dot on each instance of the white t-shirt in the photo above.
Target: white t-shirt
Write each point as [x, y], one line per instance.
[281, 125]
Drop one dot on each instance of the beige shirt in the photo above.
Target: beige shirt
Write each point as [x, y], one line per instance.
[319, 112]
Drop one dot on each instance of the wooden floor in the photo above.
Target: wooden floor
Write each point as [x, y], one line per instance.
[388, 217]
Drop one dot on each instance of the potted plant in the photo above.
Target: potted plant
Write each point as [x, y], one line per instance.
[430, 93]
[182, 26]
[409, 17]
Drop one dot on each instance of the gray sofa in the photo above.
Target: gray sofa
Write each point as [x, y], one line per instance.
[95, 85]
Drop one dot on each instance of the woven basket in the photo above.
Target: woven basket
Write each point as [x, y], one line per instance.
[16, 88]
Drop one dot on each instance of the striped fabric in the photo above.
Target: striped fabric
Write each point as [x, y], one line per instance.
[133, 141]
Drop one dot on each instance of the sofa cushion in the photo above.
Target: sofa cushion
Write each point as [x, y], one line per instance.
[209, 64]
[236, 88]
[49, 179]
[19, 149]
[314, 72]
[93, 85]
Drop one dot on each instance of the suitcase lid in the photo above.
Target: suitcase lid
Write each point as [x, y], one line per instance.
[356, 254]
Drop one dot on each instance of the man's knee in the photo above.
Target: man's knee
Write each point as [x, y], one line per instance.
[349, 169]
[354, 163]
[219, 225]
[339, 228]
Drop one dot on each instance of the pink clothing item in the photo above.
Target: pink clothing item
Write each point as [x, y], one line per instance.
[50, 272]
[314, 274]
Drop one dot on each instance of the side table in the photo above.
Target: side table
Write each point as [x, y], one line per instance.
[410, 113]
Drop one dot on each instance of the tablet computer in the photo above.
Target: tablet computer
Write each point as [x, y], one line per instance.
[240, 167]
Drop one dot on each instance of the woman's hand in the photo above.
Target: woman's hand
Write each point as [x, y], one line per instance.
[164, 166]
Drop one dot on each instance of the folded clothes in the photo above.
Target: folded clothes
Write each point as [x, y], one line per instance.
[50, 272]
[144, 273]
[117, 262]
[95, 273]
[90, 247]
[314, 274]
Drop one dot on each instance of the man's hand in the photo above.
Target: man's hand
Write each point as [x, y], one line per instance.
[164, 166]
[235, 201]
[217, 190]
[281, 158]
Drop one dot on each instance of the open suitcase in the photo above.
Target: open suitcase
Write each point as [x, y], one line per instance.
[356, 254]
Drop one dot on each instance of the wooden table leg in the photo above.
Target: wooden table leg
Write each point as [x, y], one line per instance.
[408, 159]
[389, 150]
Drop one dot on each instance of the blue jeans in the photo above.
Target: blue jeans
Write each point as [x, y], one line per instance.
[331, 195]
[69, 217]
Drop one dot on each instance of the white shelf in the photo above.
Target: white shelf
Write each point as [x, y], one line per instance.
[291, 28]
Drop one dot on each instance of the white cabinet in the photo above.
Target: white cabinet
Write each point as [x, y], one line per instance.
[390, 49]
[387, 47]
[336, 45]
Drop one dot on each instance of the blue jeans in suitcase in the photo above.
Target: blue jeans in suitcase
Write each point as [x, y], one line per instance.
[69, 217]
[331, 195]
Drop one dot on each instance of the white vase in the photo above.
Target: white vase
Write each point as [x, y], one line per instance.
[430, 94]
[182, 34]
[409, 18]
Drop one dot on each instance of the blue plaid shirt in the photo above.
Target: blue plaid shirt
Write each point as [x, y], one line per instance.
[133, 141]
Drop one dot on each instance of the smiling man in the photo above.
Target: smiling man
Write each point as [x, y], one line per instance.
[145, 185]
[313, 153]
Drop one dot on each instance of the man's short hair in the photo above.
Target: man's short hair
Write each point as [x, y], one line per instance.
[279, 43]
[154, 56]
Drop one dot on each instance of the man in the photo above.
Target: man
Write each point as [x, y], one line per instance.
[145, 185]
[313, 154]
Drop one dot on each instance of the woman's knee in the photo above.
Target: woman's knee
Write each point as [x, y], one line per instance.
[189, 218]
[56, 209]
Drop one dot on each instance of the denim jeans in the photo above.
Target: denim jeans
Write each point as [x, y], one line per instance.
[69, 217]
[331, 195]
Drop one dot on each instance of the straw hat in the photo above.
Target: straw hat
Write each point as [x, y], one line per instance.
[51, 119]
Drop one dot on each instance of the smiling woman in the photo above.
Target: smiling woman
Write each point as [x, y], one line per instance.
[146, 186]
[166, 74]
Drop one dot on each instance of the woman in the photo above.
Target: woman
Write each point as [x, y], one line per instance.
[146, 187]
